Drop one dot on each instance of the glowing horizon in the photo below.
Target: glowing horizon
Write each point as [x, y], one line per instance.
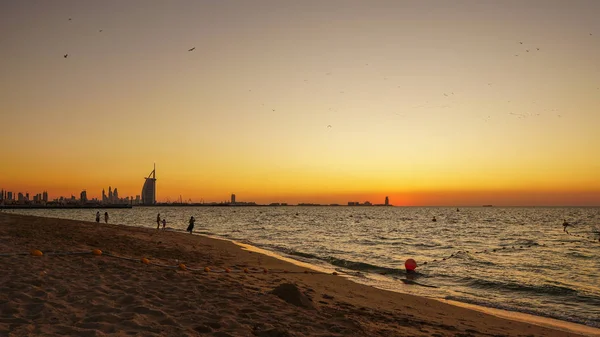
[427, 103]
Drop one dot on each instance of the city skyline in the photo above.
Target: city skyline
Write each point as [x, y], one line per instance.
[429, 103]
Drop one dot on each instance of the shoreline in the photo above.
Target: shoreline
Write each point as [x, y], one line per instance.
[366, 310]
[501, 313]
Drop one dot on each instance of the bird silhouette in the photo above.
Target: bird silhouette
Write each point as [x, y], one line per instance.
[521, 42]
[66, 55]
[527, 50]
[69, 19]
[329, 126]
[192, 49]
[100, 30]
[537, 48]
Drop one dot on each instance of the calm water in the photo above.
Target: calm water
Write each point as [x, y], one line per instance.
[517, 259]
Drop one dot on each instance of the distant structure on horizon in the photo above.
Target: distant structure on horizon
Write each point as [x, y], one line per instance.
[387, 201]
[149, 189]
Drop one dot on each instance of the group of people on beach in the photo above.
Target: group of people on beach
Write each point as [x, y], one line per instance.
[190, 227]
[105, 217]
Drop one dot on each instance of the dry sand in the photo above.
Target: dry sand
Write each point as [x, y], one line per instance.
[87, 295]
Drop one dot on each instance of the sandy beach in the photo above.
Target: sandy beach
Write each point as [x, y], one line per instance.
[243, 294]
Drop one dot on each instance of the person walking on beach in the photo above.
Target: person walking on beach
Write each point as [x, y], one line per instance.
[98, 216]
[105, 217]
[565, 225]
[164, 222]
[158, 221]
[191, 226]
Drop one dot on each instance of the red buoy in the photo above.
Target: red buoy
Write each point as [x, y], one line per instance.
[410, 265]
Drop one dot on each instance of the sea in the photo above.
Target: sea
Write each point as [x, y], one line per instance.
[511, 258]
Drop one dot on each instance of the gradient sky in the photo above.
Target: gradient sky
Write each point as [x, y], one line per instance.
[427, 101]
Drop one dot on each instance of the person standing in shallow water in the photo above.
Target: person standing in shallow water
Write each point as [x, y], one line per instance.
[191, 226]
[158, 221]
[98, 216]
[105, 217]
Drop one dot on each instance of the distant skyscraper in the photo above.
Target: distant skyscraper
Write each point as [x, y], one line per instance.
[83, 196]
[115, 196]
[110, 195]
[233, 198]
[45, 196]
[149, 189]
[9, 196]
[387, 201]
[104, 199]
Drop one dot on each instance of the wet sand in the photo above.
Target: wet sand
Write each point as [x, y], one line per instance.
[88, 295]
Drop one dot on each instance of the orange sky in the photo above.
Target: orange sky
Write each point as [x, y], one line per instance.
[428, 102]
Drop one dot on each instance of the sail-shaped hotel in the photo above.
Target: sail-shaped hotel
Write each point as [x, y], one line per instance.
[149, 189]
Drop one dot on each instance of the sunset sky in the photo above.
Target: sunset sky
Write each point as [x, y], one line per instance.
[428, 102]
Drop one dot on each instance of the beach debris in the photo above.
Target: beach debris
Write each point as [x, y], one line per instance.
[410, 265]
[97, 252]
[291, 293]
[145, 260]
[182, 266]
[36, 252]
[206, 269]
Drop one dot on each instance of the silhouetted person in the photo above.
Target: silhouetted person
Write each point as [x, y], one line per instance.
[158, 221]
[164, 222]
[434, 219]
[105, 217]
[565, 225]
[191, 226]
[98, 216]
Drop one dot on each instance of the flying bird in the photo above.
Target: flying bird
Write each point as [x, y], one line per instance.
[192, 49]
[69, 19]
[329, 126]
[537, 48]
[66, 55]
[521, 42]
[100, 30]
[527, 50]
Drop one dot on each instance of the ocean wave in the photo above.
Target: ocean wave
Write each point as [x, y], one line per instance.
[347, 264]
[521, 287]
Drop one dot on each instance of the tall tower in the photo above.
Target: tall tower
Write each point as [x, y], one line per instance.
[233, 198]
[387, 201]
[149, 189]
